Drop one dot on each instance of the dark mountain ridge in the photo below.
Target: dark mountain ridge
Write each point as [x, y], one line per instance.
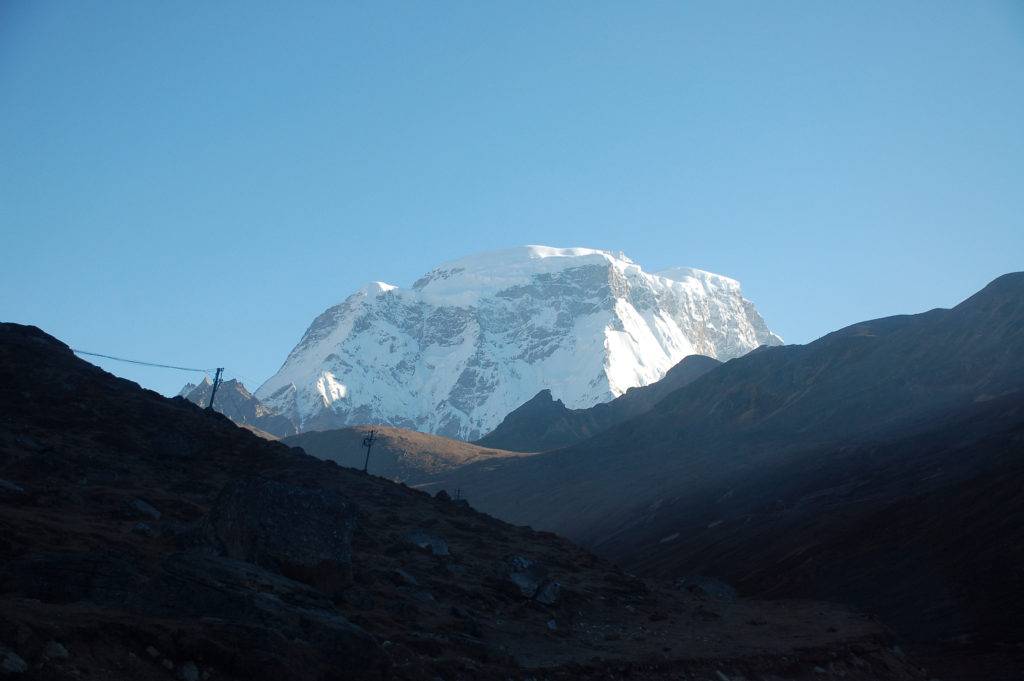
[763, 463]
[544, 423]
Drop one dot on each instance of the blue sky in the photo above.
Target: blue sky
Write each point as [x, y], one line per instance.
[193, 182]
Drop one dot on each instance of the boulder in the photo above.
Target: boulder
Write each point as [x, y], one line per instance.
[10, 488]
[548, 592]
[55, 651]
[432, 542]
[529, 578]
[707, 587]
[145, 508]
[11, 662]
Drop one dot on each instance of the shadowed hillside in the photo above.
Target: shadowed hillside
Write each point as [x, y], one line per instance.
[544, 423]
[877, 465]
[146, 538]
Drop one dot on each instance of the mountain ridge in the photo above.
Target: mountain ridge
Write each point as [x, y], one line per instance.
[544, 423]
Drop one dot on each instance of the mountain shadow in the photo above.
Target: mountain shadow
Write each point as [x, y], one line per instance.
[544, 423]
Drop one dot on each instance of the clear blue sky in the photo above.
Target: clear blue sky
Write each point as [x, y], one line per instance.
[194, 182]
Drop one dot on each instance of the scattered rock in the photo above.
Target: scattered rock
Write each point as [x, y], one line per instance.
[143, 529]
[708, 587]
[403, 577]
[11, 662]
[188, 672]
[552, 625]
[152, 652]
[424, 540]
[55, 650]
[528, 578]
[145, 508]
[10, 488]
[548, 592]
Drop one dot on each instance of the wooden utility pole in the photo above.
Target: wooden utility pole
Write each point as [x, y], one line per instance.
[368, 443]
[216, 383]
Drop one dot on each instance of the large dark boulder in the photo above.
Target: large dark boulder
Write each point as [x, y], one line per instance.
[302, 533]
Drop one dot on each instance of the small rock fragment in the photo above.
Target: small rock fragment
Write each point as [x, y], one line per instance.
[55, 650]
[188, 672]
[143, 530]
[8, 487]
[12, 663]
[406, 578]
[145, 508]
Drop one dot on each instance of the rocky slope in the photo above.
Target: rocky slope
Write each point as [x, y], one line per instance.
[877, 465]
[475, 338]
[145, 538]
[544, 423]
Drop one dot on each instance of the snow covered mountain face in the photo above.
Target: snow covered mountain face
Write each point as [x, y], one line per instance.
[475, 338]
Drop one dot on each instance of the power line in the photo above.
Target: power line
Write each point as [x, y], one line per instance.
[136, 361]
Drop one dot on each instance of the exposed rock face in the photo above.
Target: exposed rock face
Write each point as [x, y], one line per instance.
[475, 338]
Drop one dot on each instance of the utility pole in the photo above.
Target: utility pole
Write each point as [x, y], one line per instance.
[368, 443]
[216, 383]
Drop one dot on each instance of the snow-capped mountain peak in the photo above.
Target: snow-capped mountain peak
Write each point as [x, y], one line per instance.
[476, 337]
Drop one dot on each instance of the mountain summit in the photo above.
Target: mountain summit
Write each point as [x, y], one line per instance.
[475, 338]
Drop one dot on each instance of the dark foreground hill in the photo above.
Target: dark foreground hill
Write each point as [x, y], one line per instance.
[879, 465]
[144, 538]
[544, 423]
